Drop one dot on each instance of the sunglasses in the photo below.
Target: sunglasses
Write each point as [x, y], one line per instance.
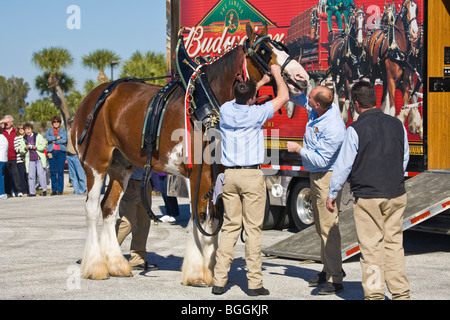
[56, 121]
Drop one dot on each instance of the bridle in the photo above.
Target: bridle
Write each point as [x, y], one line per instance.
[261, 54]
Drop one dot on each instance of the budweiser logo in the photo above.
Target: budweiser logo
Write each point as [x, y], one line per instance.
[224, 27]
[199, 42]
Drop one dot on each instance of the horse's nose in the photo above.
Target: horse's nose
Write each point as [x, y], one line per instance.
[301, 75]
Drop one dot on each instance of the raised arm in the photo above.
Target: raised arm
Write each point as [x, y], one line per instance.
[282, 89]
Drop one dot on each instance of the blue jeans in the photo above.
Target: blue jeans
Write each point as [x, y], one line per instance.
[77, 175]
[57, 161]
[2, 177]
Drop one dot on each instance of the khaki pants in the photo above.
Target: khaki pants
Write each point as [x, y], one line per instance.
[327, 226]
[244, 199]
[135, 220]
[379, 227]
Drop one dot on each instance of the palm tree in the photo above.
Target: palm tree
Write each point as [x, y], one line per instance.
[98, 60]
[53, 60]
[65, 82]
[41, 111]
[145, 66]
[89, 85]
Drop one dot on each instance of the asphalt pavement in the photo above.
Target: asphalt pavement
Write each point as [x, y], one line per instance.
[42, 238]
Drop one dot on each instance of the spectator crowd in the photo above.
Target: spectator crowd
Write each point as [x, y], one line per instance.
[27, 157]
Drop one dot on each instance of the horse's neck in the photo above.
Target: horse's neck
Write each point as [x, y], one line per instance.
[401, 30]
[352, 41]
[221, 73]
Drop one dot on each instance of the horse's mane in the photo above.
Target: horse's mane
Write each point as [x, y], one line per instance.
[224, 65]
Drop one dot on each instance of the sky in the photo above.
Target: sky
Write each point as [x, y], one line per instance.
[81, 27]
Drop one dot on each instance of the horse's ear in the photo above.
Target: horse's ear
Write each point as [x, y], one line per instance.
[264, 30]
[250, 33]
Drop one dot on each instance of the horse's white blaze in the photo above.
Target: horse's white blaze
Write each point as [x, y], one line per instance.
[293, 68]
[360, 25]
[414, 31]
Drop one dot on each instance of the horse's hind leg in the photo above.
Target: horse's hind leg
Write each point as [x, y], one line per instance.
[93, 264]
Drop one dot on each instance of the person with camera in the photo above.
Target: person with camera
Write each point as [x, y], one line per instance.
[12, 177]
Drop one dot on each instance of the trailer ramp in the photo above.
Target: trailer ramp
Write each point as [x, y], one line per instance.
[428, 195]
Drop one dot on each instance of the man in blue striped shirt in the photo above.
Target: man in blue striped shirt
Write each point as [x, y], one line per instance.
[323, 138]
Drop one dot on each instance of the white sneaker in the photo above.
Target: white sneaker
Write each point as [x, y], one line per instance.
[3, 196]
[164, 218]
[167, 218]
[20, 194]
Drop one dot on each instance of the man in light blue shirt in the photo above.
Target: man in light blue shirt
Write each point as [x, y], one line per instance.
[322, 141]
[244, 189]
[242, 135]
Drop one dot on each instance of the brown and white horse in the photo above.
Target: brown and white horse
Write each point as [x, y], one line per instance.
[386, 54]
[112, 146]
[346, 54]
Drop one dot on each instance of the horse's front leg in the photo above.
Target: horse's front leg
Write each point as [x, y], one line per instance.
[200, 257]
[93, 264]
[110, 248]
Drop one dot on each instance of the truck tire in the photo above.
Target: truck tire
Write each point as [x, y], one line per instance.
[299, 205]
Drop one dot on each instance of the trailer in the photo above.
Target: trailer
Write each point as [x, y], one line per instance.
[210, 26]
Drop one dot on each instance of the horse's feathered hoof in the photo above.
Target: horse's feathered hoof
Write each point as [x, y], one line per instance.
[199, 284]
[119, 272]
[97, 271]
[119, 267]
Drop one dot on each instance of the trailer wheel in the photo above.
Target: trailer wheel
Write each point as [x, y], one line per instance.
[300, 208]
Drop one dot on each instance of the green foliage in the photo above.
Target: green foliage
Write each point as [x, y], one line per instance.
[145, 66]
[90, 85]
[13, 92]
[99, 60]
[52, 59]
[55, 85]
[74, 99]
[41, 112]
[40, 83]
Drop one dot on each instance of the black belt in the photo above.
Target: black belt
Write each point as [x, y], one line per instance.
[256, 166]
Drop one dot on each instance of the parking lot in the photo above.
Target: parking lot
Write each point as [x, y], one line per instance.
[42, 239]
